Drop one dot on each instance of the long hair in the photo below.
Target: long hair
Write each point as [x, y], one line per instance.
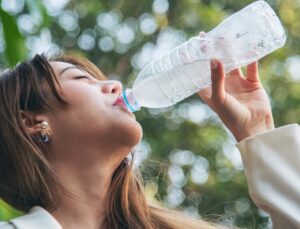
[26, 175]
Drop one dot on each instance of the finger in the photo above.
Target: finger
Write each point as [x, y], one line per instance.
[218, 81]
[202, 34]
[236, 72]
[252, 72]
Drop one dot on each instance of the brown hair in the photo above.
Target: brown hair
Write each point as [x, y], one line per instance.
[26, 176]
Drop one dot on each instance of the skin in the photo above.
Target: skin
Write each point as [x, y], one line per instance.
[89, 139]
[240, 101]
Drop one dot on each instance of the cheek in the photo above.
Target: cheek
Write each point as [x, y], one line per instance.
[83, 114]
[75, 97]
[76, 90]
[84, 100]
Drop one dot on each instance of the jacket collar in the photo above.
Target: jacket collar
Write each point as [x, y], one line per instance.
[36, 218]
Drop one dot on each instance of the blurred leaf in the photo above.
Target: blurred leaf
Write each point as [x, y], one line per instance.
[37, 9]
[15, 50]
[7, 212]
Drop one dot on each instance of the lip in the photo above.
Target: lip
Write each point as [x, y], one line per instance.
[119, 103]
[125, 110]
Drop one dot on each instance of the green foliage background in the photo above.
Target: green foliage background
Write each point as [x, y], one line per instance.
[187, 157]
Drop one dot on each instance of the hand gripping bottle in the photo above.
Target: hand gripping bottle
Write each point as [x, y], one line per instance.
[241, 39]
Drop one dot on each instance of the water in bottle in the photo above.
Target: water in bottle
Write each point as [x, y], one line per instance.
[241, 39]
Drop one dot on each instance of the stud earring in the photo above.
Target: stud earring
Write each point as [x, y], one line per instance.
[45, 134]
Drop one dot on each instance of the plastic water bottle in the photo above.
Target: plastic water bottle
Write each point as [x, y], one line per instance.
[241, 39]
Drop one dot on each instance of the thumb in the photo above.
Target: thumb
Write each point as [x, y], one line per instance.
[218, 82]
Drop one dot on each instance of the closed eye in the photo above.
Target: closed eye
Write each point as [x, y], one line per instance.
[81, 77]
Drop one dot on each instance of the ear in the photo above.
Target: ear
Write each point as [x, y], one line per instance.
[31, 122]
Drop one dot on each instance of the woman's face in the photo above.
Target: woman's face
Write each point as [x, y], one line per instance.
[91, 120]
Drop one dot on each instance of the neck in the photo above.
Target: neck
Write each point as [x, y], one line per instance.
[86, 173]
[86, 206]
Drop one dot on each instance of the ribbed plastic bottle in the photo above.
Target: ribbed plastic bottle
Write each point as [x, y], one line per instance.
[241, 39]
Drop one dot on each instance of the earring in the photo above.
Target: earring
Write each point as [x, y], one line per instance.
[45, 134]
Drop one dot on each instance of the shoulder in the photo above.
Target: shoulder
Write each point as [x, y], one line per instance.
[36, 218]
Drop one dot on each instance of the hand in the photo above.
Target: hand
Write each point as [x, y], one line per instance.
[240, 102]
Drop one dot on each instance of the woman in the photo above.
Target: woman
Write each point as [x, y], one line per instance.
[65, 141]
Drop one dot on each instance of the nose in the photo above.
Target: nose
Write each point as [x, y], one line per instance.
[112, 86]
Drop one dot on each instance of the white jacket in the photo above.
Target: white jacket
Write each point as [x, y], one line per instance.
[272, 168]
[36, 218]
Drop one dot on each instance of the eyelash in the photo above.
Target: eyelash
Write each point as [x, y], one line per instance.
[81, 77]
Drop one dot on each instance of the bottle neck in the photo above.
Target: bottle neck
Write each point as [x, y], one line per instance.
[128, 101]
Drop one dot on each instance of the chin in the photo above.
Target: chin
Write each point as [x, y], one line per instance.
[135, 135]
[128, 134]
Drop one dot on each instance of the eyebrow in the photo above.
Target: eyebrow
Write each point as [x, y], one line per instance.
[69, 67]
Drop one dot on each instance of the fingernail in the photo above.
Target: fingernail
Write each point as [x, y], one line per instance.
[202, 34]
[214, 64]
